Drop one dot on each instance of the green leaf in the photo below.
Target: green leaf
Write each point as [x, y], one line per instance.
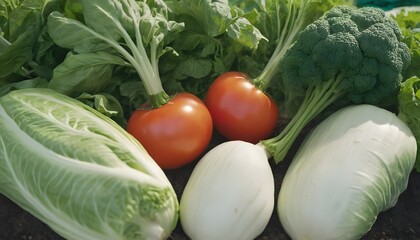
[13, 59]
[194, 67]
[87, 72]
[26, 49]
[28, 83]
[74, 9]
[135, 93]
[245, 33]
[22, 26]
[408, 19]
[201, 44]
[409, 23]
[214, 17]
[23, 16]
[107, 17]
[105, 104]
[72, 34]
[19, 52]
[409, 110]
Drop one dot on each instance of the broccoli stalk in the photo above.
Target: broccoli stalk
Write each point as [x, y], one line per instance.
[350, 55]
[317, 98]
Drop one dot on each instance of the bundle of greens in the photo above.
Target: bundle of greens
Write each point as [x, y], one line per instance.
[30, 58]
[409, 22]
[27, 53]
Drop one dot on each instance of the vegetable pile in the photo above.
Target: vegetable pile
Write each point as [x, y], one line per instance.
[100, 100]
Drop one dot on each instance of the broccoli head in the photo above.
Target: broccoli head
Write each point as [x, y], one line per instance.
[360, 47]
[349, 55]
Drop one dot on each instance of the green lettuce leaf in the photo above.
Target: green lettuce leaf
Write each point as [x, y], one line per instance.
[85, 72]
[409, 110]
[409, 23]
[106, 104]
[26, 50]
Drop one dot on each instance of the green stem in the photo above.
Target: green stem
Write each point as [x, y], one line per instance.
[316, 100]
[154, 58]
[159, 99]
[291, 28]
[147, 69]
[152, 82]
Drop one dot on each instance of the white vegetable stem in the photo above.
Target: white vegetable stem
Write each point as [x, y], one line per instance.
[352, 166]
[230, 194]
[146, 67]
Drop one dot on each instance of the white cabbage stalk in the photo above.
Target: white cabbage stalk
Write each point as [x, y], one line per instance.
[230, 194]
[353, 166]
[79, 172]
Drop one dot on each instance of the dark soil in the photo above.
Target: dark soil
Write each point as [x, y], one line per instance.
[401, 222]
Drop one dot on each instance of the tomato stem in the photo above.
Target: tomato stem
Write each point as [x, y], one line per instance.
[159, 99]
[259, 83]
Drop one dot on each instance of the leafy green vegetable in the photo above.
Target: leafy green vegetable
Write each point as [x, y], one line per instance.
[85, 72]
[409, 23]
[215, 18]
[130, 29]
[409, 110]
[214, 34]
[348, 56]
[29, 83]
[352, 166]
[17, 40]
[79, 172]
[26, 51]
[106, 104]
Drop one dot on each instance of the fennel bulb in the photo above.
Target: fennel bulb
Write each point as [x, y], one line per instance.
[351, 167]
[79, 172]
[229, 195]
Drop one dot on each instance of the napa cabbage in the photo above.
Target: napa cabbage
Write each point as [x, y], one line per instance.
[79, 172]
[352, 166]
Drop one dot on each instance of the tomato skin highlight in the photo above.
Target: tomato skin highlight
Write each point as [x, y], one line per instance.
[239, 110]
[174, 134]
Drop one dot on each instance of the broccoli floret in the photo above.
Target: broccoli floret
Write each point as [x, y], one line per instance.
[350, 55]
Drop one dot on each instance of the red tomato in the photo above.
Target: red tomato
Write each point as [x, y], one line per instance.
[174, 134]
[239, 110]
